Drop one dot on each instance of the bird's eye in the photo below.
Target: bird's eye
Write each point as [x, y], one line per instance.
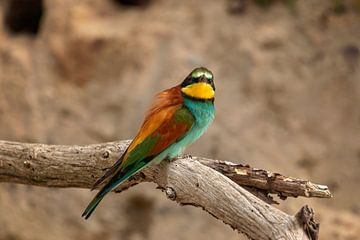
[187, 82]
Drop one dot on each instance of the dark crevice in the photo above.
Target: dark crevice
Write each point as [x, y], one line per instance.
[133, 3]
[23, 16]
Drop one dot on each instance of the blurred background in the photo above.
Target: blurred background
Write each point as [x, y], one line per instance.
[288, 96]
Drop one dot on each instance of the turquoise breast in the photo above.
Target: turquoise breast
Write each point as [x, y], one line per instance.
[204, 113]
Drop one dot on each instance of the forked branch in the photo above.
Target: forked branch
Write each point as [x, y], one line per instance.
[211, 184]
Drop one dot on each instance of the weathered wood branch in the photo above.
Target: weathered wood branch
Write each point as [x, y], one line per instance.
[210, 184]
[263, 182]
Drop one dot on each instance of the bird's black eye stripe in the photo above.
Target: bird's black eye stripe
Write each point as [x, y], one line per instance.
[212, 84]
[189, 80]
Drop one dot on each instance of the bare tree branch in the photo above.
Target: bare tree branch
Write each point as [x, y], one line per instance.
[210, 184]
[265, 182]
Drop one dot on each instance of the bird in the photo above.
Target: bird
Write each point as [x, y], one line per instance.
[177, 117]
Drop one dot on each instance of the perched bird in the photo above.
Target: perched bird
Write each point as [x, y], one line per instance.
[178, 117]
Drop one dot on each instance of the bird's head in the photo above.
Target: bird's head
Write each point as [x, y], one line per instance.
[199, 84]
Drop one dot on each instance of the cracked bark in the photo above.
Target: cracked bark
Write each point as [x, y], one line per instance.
[216, 186]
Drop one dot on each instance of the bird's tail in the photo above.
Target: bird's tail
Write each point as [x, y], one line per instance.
[111, 185]
[96, 200]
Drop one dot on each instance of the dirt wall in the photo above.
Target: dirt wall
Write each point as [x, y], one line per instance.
[287, 100]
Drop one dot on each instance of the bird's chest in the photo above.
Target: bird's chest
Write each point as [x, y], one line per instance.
[203, 113]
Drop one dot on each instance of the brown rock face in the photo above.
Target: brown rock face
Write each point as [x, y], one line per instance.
[288, 96]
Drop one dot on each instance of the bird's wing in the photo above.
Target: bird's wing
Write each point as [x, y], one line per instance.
[161, 112]
[171, 130]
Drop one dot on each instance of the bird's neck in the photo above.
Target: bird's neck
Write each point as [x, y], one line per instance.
[201, 109]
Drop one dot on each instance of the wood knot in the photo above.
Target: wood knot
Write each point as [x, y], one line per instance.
[170, 193]
[27, 164]
[306, 218]
[106, 154]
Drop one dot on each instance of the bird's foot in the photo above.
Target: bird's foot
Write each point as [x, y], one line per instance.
[186, 156]
[179, 157]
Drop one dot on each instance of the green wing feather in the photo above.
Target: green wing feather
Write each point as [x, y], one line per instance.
[169, 132]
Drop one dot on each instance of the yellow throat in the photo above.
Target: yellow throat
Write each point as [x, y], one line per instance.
[199, 90]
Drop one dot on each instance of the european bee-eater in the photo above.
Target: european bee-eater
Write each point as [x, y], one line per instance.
[178, 117]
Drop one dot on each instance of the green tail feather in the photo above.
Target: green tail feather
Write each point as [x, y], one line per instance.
[111, 185]
[96, 200]
[88, 211]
